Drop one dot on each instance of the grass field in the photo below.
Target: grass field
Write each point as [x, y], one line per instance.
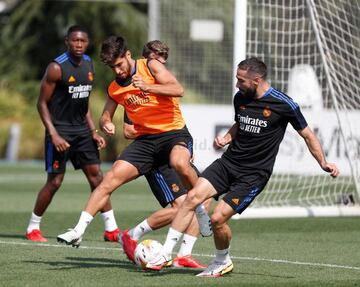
[272, 252]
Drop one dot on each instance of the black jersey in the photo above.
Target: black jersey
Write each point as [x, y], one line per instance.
[262, 124]
[69, 103]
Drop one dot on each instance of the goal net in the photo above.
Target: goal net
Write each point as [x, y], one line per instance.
[312, 50]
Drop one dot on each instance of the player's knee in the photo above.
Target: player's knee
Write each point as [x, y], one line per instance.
[95, 179]
[192, 199]
[55, 182]
[175, 205]
[217, 220]
[180, 165]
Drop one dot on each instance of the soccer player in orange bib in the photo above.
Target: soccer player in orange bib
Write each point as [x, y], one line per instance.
[150, 95]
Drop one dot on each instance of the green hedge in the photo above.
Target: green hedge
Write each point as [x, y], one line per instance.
[15, 109]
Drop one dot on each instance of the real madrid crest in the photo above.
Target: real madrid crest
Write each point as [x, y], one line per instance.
[267, 112]
[175, 187]
[91, 76]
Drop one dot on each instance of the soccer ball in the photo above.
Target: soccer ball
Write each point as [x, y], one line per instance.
[146, 251]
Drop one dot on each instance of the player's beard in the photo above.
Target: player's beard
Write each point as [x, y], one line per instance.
[250, 93]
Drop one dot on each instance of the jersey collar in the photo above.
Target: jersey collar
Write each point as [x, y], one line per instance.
[268, 92]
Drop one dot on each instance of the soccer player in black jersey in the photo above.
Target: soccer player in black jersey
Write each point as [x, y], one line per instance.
[63, 106]
[261, 117]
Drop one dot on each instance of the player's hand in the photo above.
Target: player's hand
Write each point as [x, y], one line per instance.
[109, 129]
[331, 168]
[101, 143]
[138, 82]
[219, 142]
[60, 144]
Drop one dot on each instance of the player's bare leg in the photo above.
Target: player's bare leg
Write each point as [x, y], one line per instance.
[222, 263]
[180, 160]
[94, 176]
[202, 191]
[43, 200]
[120, 173]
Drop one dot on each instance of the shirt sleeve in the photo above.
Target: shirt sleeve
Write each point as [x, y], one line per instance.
[295, 116]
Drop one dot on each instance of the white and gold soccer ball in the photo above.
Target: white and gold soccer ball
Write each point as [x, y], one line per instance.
[145, 251]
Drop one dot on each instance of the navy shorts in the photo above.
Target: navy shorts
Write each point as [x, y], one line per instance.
[83, 151]
[149, 151]
[240, 187]
[165, 184]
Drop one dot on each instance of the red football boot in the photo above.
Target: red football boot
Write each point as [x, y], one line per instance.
[187, 261]
[128, 245]
[36, 236]
[112, 236]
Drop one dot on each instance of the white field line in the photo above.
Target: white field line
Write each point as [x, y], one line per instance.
[281, 261]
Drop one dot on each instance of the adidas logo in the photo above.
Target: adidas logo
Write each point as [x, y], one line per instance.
[71, 79]
[236, 201]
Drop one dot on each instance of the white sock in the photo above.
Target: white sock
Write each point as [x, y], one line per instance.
[172, 238]
[187, 245]
[34, 222]
[140, 230]
[200, 209]
[223, 255]
[109, 220]
[84, 221]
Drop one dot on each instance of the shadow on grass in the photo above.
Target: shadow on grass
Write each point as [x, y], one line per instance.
[13, 236]
[265, 275]
[89, 262]
[80, 262]
[93, 262]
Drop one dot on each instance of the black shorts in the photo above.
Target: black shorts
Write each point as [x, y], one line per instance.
[149, 151]
[165, 184]
[83, 150]
[239, 186]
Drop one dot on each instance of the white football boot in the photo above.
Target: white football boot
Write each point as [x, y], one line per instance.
[71, 237]
[217, 269]
[204, 222]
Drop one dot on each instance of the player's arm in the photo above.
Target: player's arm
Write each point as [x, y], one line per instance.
[99, 139]
[221, 141]
[128, 128]
[316, 150]
[106, 124]
[47, 87]
[166, 83]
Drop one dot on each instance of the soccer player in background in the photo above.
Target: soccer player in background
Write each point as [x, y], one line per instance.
[261, 117]
[166, 186]
[156, 50]
[70, 134]
[150, 95]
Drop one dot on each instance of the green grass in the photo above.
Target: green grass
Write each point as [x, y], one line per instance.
[272, 252]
